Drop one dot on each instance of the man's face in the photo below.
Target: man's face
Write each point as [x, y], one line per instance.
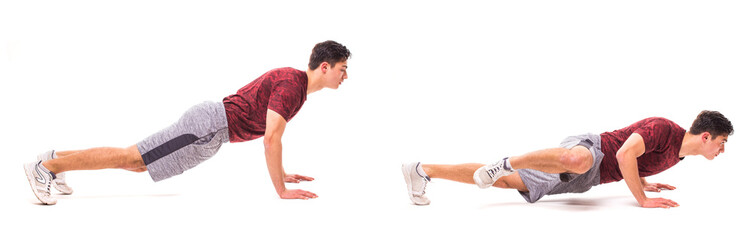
[335, 74]
[713, 147]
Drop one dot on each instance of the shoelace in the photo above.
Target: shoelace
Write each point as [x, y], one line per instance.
[492, 172]
[49, 185]
[425, 185]
[425, 181]
[498, 166]
[47, 182]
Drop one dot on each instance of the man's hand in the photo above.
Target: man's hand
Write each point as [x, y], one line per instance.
[658, 203]
[297, 194]
[657, 187]
[295, 178]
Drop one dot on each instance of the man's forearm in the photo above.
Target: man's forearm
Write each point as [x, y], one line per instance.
[273, 152]
[628, 168]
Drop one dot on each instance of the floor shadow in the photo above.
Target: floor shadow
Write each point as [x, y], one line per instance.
[37, 202]
[74, 196]
[566, 204]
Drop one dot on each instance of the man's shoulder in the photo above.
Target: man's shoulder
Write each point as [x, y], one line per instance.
[659, 128]
[664, 122]
[657, 122]
[285, 72]
[285, 76]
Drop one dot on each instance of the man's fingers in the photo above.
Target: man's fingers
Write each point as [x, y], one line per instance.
[302, 194]
[311, 195]
[304, 178]
[297, 194]
[669, 203]
[307, 195]
[665, 186]
[297, 177]
[658, 187]
[669, 187]
[291, 180]
[660, 202]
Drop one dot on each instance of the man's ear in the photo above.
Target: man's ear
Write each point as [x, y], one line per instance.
[324, 66]
[706, 137]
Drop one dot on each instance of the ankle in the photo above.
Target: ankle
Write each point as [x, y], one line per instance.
[50, 167]
[424, 170]
[507, 165]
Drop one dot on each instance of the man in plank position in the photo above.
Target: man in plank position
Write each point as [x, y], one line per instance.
[262, 108]
[642, 149]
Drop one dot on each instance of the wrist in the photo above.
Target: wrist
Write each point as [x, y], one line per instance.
[641, 200]
[281, 190]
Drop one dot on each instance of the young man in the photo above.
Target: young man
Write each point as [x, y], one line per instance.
[260, 109]
[642, 149]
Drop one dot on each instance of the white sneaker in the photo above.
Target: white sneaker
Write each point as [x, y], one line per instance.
[59, 181]
[416, 184]
[40, 182]
[487, 175]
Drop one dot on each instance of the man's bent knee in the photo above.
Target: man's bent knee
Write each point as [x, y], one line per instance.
[577, 160]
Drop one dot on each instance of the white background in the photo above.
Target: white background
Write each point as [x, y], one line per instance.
[432, 81]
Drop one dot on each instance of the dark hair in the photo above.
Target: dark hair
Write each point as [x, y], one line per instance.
[329, 51]
[713, 122]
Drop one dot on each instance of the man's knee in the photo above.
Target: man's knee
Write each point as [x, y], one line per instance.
[577, 160]
[132, 159]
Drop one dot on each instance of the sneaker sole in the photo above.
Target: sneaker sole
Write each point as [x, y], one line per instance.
[30, 177]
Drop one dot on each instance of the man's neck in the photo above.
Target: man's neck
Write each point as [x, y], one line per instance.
[690, 144]
[314, 81]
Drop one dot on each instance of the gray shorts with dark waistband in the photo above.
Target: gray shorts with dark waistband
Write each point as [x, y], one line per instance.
[194, 138]
[540, 183]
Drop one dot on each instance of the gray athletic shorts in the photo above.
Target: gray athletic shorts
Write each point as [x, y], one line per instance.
[193, 139]
[540, 183]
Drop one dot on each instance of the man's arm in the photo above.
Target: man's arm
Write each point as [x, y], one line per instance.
[627, 159]
[275, 127]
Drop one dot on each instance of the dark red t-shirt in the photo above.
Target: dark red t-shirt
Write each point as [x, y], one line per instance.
[283, 90]
[663, 140]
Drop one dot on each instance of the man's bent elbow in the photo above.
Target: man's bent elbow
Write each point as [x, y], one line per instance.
[271, 142]
[622, 156]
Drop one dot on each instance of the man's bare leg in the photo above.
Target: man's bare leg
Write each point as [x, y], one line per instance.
[555, 160]
[418, 175]
[97, 158]
[464, 173]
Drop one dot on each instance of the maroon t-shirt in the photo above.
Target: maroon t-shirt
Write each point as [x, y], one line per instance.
[663, 140]
[283, 90]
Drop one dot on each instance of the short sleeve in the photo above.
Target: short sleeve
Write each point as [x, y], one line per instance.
[286, 100]
[655, 134]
